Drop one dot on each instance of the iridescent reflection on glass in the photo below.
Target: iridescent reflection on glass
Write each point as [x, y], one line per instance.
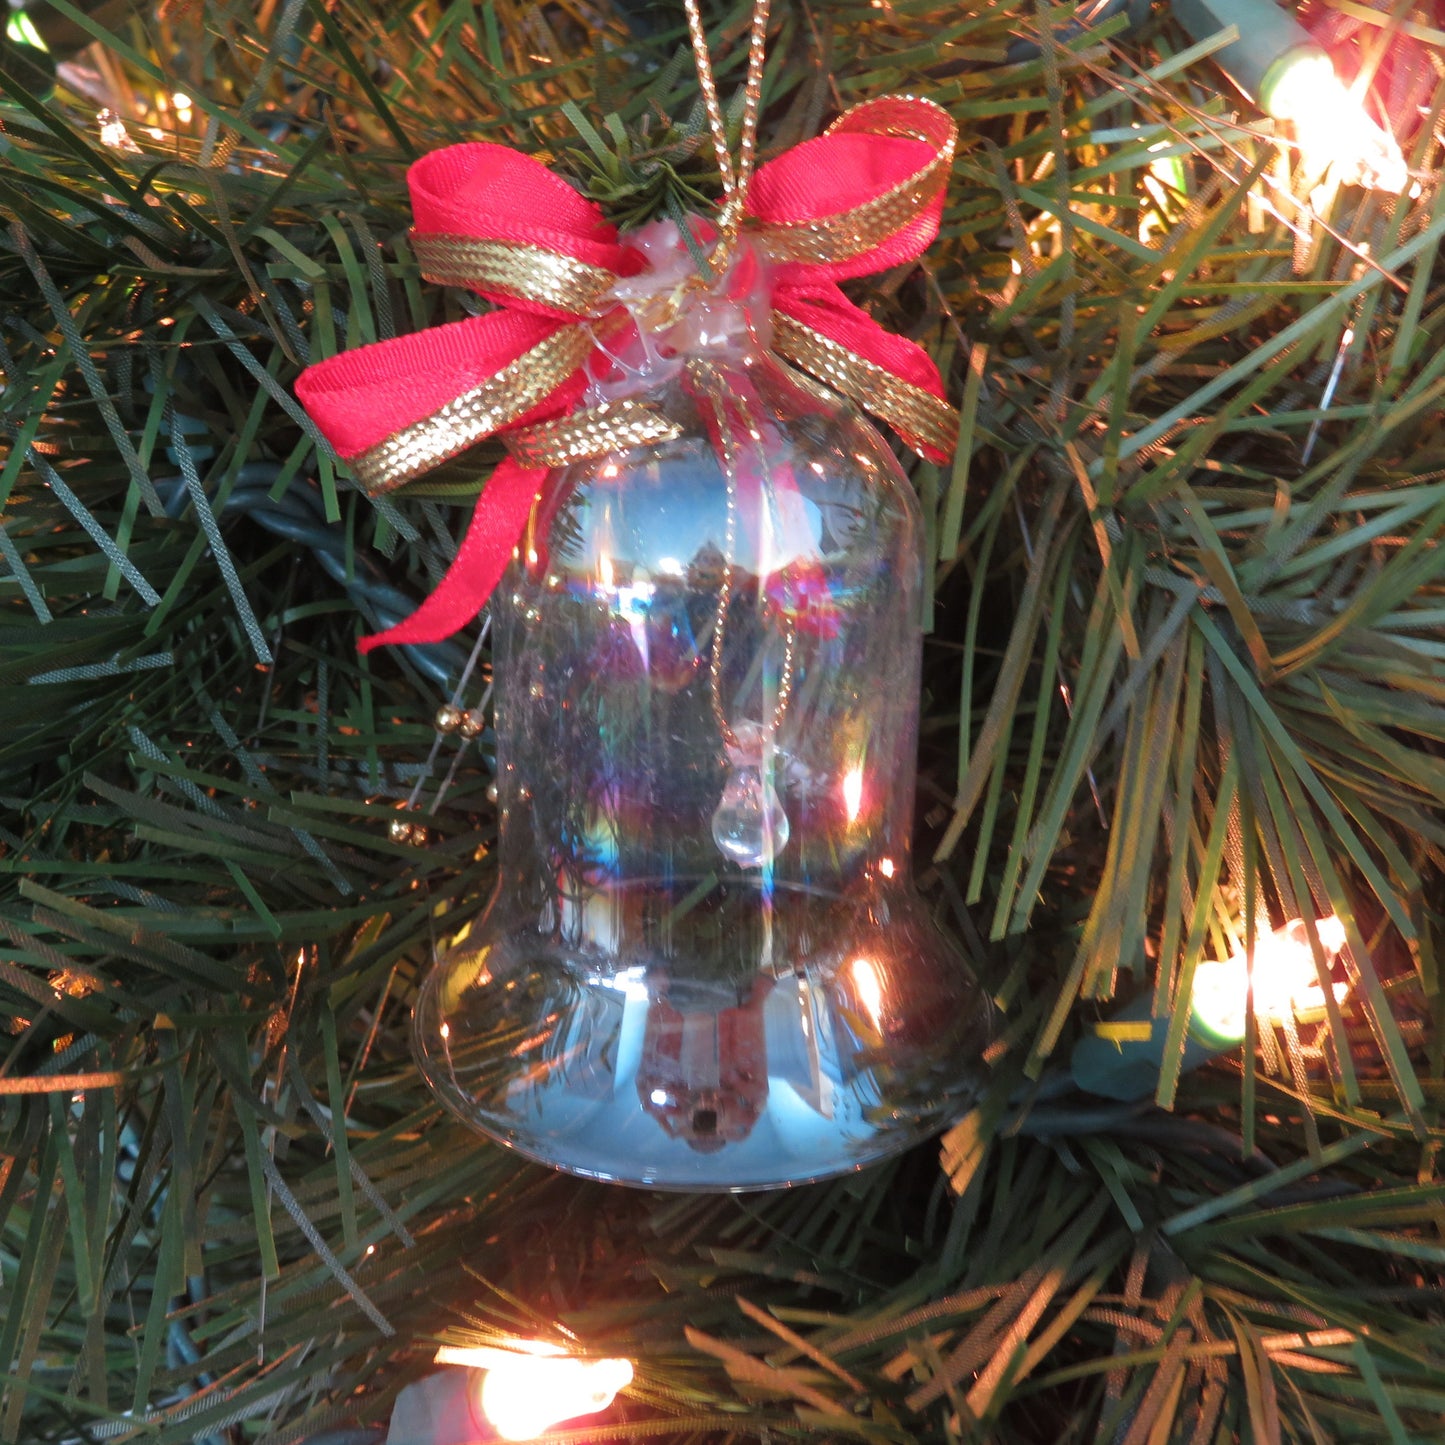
[705, 966]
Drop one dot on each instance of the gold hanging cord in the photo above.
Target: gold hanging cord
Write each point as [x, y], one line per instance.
[734, 178]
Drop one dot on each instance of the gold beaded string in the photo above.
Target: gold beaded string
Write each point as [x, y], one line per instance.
[735, 180]
[715, 389]
[752, 100]
[709, 98]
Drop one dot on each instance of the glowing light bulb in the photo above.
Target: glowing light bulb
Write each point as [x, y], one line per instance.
[1285, 980]
[853, 793]
[1332, 127]
[530, 1385]
[1275, 60]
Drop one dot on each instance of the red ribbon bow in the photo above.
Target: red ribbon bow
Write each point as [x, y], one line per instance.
[864, 196]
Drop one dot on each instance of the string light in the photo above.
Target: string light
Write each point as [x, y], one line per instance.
[1332, 127]
[1286, 982]
[27, 58]
[21, 29]
[1276, 62]
[530, 1385]
[1121, 1058]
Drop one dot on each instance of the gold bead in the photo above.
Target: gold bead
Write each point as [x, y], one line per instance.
[449, 718]
[418, 836]
[471, 725]
[401, 830]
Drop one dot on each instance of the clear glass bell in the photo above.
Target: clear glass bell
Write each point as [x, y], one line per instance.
[705, 966]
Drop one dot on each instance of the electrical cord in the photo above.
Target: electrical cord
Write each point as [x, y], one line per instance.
[298, 514]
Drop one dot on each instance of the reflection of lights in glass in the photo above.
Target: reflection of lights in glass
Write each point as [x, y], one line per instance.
[870, 991]
[530, 1386]
[887, 867]
[853, 793]
[1286, 981]
[670, 567]
[1331, 125]
[632, 601]
[659, 1097]
[446, 1031]
[604, 571]
[113, 132]
[630, 982]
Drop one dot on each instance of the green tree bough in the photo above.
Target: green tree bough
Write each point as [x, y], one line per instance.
[1187, 660]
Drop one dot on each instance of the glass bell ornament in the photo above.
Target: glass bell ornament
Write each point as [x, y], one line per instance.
[705, 966]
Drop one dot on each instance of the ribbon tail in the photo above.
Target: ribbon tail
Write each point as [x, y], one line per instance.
[492, 535]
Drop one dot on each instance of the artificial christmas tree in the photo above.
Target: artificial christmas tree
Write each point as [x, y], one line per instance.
[1182, 685]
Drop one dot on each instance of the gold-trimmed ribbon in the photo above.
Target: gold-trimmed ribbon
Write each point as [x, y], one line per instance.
[515, 269]
[594, 432]
[477, 413]
[890, 377]
[915, 414]
[822, 240]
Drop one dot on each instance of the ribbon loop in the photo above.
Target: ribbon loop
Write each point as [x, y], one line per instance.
[514, 271]
[864, 195]
[396, 409]
[485, 192]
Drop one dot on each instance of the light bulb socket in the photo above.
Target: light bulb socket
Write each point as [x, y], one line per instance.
[1128, 1069]
[1270, 41]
